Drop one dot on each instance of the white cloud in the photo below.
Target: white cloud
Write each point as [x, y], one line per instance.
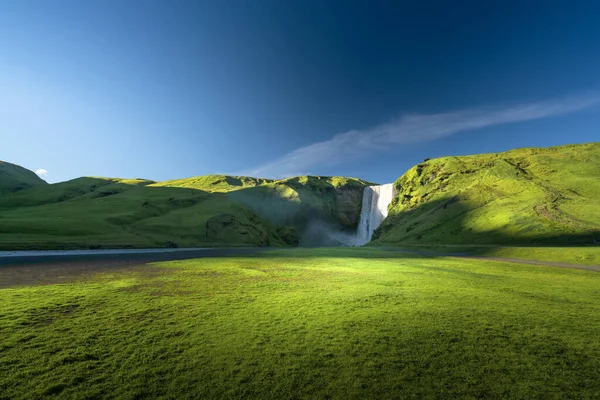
[356, 144]
[41, 172]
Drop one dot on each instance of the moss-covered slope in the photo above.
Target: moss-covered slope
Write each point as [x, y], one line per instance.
[104, 212]
[214, 183]
[524, 196]
[201, 211]
[14, 178]
[315, 206]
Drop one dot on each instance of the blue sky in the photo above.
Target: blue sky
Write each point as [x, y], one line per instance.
[171, 89]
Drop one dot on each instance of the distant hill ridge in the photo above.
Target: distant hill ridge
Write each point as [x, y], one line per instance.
[523, 196]
[212, 210]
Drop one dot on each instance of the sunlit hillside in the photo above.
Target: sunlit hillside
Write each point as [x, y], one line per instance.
[523, 196]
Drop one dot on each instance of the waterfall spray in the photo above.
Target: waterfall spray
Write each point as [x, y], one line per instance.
[376, 200]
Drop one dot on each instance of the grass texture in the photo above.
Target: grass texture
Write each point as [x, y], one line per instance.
[526, 196]
[302, 323]
[94, 212]
[543, 197]
[584, 255]
[14, 177]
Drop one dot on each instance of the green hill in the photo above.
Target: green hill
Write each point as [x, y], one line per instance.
[523, 196]
[93, 212]
[214, 183]
[333, 203]
[14, 178]
[292, 201]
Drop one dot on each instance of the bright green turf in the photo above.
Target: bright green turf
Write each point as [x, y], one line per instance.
[353, 323]
[569, 255]
[525, 196]
[214, 183]
[572, 255]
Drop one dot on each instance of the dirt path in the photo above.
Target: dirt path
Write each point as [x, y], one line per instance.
[501, 259]
[534, 262]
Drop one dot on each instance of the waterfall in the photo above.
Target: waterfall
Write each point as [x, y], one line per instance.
[376, 200]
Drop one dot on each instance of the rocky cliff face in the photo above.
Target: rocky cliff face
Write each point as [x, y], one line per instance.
[302, 201]
[348, 202]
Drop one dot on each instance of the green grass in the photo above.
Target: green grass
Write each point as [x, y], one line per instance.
[572, 255]
[345, 323]
[214, 210]
[214, 183]
[100, 212]
[569, 255]
[526, 196]
[533, 197]
[300, 200]
[14, 178]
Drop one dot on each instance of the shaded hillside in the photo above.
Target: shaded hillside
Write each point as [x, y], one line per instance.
[315, 206]
[299, 202]
[523, 196]
[82, 188]
[109, 212]
[14, 178]
[103, 212]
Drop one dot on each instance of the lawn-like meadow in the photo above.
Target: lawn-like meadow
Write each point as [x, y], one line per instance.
[312, 323]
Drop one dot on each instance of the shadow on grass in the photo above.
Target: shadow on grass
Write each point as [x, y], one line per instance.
[446, 222]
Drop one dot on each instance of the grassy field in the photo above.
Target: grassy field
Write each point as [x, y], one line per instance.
[570, 255]
[314, 323]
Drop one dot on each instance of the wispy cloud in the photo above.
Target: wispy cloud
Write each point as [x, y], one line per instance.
[356, 144]
[41, 172]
